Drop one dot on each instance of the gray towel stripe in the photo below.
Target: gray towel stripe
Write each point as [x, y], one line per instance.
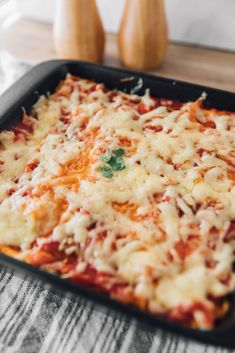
[41, 322]
[16, 312]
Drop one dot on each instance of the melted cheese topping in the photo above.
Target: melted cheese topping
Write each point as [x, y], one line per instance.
[160, 227]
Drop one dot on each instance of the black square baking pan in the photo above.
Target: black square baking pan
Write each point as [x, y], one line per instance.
[45, 78]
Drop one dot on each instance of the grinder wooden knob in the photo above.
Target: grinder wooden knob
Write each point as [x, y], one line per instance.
[78, 30]
[143, 34]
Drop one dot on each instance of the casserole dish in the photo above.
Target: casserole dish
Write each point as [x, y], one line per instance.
[45, 78]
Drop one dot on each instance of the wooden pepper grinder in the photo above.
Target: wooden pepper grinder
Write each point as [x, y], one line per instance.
[143, 34]
[78, 30]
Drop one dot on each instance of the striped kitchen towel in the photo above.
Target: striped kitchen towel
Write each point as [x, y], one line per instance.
[38, 320]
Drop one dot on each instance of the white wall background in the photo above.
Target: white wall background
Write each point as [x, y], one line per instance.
[205, 22]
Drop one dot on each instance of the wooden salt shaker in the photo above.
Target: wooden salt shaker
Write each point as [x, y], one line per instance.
[143, 34]
[78, 30]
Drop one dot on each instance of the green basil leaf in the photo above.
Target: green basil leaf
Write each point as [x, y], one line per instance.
[118, 164]
[106, 156]
[106, 171]
[119, 152]
[115, 162]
